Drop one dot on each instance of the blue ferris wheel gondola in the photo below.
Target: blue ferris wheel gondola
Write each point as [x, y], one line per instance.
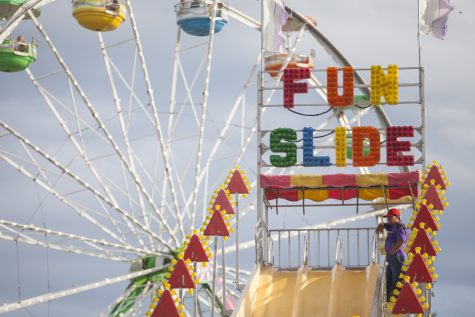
[194, 17]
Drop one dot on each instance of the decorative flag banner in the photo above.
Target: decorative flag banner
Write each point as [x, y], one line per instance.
[407, 302]
[424, 216]
[195, 250]
[237, 183]
[275, 18]
[433, 17]
[420, 239]
[418, 270]
[216, 226]
[431, 196]
[166, 306]
[181, 277]
[223, 201]
[435, 175]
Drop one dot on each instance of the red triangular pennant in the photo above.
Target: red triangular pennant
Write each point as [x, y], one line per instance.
[216, 226]
[195, 251]
[423, 241]
[432, 197]
[418, 271]
[181, 277]
[223, 202]
[424, 216]
[434, 174]
[407, 302]
[236, 184]
[166, 306]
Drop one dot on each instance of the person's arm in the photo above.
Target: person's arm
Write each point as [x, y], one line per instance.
[381, 227]
[396, 247]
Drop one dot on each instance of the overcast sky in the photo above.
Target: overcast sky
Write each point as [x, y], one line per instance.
[367, 32]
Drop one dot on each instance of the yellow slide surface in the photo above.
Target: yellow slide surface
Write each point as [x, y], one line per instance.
[337, 293]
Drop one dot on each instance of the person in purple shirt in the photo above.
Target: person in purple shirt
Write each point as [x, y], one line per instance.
[394, 246]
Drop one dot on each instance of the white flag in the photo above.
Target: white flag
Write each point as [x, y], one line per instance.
[274, 19]
[433, 16]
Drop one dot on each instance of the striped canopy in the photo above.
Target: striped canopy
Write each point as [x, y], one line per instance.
[340, 186]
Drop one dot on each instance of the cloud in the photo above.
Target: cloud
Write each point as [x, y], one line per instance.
[367, 32]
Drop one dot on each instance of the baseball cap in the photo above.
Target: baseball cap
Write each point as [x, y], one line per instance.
[393, 212]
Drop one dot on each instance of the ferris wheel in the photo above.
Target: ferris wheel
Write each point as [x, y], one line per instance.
[116, 157]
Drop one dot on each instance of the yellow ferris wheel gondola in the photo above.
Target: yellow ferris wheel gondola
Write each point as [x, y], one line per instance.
[99, 15]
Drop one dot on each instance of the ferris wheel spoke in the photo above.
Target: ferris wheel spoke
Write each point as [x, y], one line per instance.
[80, 211]
[225, 129]
[129, 150]
[137, 158]
[188, 88]
[164, 150]
[227, 124]
[133, 202]
[171, 114]
[143, 169]
[72, 291]
[109, 137]
[18, 236]
[81, 124]
[52, 184]
[165, 205]
[63, 236]
[58, 177]
[204, 108]
[78, 144]
[18, 16]
[180, 189]
[85, 185]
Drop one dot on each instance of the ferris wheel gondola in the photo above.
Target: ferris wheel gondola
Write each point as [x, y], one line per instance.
[99, 15]
[194, 17]
[16, 55]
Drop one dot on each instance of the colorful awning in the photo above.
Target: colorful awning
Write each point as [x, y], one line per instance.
[340, 186]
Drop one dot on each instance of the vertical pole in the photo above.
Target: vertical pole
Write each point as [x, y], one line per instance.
[223, 271]
[260, 212]
[427, 293]
[260, 216]
[238, 287]
[423, 116]
[195, 295]
[213, 292]
[421, 85]
[419, 46]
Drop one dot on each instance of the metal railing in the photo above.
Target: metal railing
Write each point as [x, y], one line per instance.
[199, 8]
[109, 6]
[322, 248]
[19, 47]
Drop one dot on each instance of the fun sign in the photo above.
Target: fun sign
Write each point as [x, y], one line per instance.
[283, 140]
[382, 85]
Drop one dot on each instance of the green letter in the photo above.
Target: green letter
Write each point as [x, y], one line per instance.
[289, 148]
